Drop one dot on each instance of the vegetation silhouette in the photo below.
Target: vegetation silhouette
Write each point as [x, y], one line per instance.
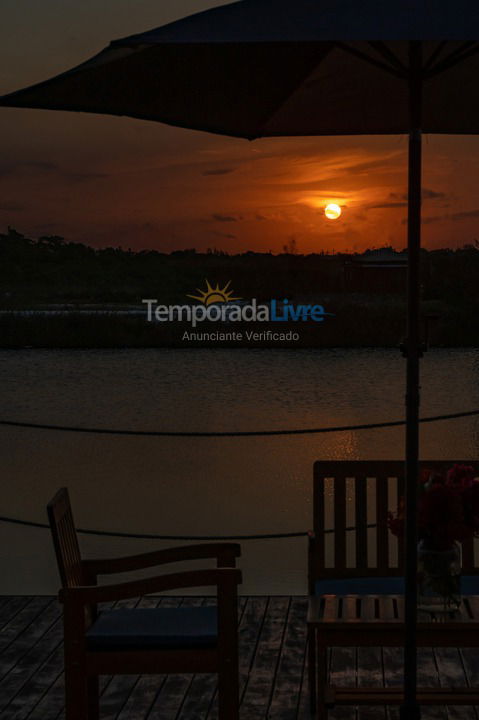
[49, 272]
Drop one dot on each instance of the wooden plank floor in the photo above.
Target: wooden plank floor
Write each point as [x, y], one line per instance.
[272, 668]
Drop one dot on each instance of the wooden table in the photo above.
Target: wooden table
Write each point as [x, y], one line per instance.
[378, 621]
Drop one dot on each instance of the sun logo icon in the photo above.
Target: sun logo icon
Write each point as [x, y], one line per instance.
[214, 295]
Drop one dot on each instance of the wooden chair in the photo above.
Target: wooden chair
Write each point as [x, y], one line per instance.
[352, 551]
[162, 640]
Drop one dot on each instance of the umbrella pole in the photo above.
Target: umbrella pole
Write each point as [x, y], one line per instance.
[410, 709]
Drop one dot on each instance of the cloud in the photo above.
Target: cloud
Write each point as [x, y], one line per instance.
[387, 205]
[400, 199]
[49, 168]
[465, 215]
[454, 217]
[11, 207]
[432, 194]
[77, 177]
[219, 217]
[324, 173]
[228, 236]
[427, 194]
[46, 227]
[219, 171]
[428, 220]
[7, 169]
[40, 165]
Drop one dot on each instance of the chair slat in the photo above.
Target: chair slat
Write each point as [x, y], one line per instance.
[319, 523]
[361, 520]
[330, 612]
[340, 522]
[386, 608]
[65, 539]
[368, 609]
[350, 609]
[400, 494]
[382, 531]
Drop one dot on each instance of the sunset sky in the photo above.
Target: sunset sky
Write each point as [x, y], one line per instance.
[115, 181]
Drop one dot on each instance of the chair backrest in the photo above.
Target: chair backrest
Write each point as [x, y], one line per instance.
[65, 539]
[351, 503]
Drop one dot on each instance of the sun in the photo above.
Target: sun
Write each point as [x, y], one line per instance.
[214, 295]
[333, 211]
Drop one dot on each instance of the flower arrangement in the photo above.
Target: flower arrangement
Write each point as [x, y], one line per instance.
[448, 508]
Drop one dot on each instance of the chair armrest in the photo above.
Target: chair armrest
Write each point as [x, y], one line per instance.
[92, 594]
[225, 553]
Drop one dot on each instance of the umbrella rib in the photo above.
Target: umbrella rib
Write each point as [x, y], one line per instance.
[401, 73]
[465, 51]
[372, 61]
[388, 55]
[435, 55]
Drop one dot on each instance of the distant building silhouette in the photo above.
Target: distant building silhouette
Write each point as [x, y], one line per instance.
[376, 271]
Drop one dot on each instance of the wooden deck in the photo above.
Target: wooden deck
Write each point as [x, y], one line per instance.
[272, 663]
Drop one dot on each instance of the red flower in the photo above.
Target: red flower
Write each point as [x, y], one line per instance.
[460, 475]
[448, 507]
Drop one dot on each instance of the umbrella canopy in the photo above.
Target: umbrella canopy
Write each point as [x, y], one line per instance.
[277, 68]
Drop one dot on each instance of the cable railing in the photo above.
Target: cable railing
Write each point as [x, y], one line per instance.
[167, 433]
[191, 538]
[229, 433]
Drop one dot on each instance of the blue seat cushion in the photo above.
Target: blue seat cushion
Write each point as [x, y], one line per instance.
[154, 628]
[381, 586]
[361, 586]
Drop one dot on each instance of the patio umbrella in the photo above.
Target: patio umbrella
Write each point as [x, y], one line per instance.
[263, 68]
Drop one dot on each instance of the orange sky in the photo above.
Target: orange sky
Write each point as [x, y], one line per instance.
[111, 181]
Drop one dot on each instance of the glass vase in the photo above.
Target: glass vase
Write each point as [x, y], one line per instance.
[439, 578]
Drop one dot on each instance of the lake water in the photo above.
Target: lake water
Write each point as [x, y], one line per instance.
[204, 486]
